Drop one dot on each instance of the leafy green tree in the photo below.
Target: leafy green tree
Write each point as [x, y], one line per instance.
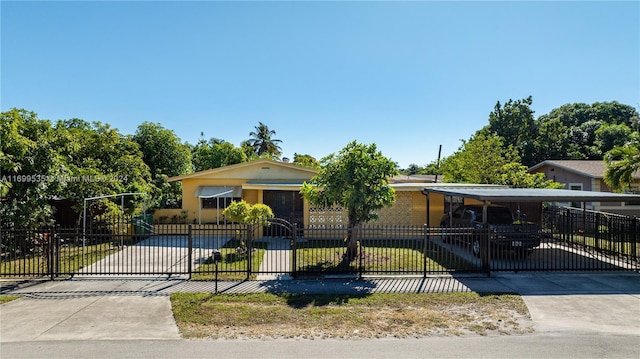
[305, 160]
[432, 168]
[216, 153]
[479, 160]
[552, 141]
[166, 156]
[622, 163]
[516, 175]
[262, 142]
[514, 122]
[571, 131]
[162, 150]
[413, 169]
[357, 179]
[28, 165]
[243, 212]
[101, 161]
[610, 136]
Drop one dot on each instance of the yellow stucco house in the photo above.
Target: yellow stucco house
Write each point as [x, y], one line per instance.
[277, 184]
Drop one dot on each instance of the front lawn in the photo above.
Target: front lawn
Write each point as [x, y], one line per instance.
[231, 316]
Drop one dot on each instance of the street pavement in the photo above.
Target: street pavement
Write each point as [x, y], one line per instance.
[575, 315]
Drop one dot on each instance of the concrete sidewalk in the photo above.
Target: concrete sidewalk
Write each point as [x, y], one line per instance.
[139, 308]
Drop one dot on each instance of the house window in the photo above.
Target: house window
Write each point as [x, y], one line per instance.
[218, 202]
[576, 187]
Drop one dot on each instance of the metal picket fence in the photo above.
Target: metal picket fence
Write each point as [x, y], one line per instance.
[570, 240]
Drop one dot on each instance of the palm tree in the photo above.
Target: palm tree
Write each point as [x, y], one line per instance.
[262, 142]
[622, 162]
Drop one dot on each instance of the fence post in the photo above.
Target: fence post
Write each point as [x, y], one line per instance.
[293, 250]
[249, 229]
[485, 250]
[634, 242]
[425, 239]
[52, 251]
[189, 245]
[360, 250]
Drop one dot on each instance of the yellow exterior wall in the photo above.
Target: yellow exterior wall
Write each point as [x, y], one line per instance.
[410, 208]
[190, 202]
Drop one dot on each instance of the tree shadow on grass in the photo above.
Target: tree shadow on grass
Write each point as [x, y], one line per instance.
[304, 293]
[301, 300]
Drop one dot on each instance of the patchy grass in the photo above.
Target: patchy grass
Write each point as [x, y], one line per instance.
[7, 298]
[347, 316]
[71, 260]
[374, 259]
[232, 267]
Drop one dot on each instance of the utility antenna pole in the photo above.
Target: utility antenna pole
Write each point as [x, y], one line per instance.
[438, 164]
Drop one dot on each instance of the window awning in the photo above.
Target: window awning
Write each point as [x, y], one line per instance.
[218, 192]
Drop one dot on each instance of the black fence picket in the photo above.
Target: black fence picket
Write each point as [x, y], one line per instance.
[570, 240]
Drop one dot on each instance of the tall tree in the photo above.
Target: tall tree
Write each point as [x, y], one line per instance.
[216, 153]
[305, 160]
[162, 150]
[514, 122]
[479, 160]
[622, 163]
[166, 156]
[357, 179]
[29, 168]
[262, 142]
[573, 131]
[103, 162]
[72, 160]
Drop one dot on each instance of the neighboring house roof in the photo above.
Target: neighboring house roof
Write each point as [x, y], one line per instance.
[591, 169]
[252, 170]
[415, 179]
[532, 194]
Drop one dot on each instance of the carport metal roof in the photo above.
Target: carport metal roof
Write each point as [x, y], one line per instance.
[531, 194]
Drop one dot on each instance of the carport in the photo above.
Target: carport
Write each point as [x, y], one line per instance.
[520, 195]
[487, 196]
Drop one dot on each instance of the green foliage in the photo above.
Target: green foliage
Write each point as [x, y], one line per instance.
[432, 168]
[262, 143]
[610, 136]
[305, 160]
[580, 131]
[162, 150]
[216, 153]
[515, 124]
[356, 179]
[71, 159]
[516, 175]
[243, 212]
[27, 161]
[622, 162]
[482, 159]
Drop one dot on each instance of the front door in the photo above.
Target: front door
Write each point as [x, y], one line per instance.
[287, 205]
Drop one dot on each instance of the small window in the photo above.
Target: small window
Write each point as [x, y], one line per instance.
[576, 187]
[218, 203]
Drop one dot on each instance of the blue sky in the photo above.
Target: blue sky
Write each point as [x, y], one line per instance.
[408, 76]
